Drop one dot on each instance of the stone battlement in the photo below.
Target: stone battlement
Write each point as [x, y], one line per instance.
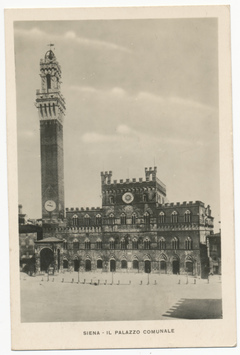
[185, 203]
[150, 175]
[84, 209]
[73, 229]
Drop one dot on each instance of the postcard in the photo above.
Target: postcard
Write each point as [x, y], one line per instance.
[120, 177]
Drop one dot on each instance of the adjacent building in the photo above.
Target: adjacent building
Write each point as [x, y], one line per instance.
[214, 253]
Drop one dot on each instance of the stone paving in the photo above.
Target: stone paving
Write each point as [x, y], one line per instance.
[89, 296]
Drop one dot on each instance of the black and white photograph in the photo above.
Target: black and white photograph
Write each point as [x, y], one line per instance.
[118, 206]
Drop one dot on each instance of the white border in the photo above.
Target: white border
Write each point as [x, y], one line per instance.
[235, 7]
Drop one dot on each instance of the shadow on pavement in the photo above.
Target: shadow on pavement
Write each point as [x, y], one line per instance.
[196, 309]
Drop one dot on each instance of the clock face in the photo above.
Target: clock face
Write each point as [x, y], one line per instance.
[128, 197]
[50, 205]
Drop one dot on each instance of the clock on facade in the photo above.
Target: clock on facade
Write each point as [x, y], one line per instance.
[128, 197]
[50, 205]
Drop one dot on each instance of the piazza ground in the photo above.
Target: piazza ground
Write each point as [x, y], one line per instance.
[118, 297]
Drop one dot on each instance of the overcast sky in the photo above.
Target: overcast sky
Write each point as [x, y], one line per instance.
[137, 92]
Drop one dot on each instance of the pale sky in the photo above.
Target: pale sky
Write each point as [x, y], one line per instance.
[136, 91]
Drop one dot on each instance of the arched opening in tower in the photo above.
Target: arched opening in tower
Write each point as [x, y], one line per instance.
[46, 259]
[48, 76]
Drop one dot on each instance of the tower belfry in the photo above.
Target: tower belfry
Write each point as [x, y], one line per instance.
[51, 109]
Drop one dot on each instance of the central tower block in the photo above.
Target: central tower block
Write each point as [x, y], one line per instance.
[51, 109]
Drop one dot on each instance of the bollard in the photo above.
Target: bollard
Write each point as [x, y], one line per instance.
[72, 281]
[155, 282]
[129, 282]
[90, 282]
[118, 282]
[42, 278]
[208, 280]
[53, 280]
[105, 282]
[84, 281]
[62, 280]
[195, 281]
[179, 281]
[140, 282]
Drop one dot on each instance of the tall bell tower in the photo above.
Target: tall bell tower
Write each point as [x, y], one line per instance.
[51, 109]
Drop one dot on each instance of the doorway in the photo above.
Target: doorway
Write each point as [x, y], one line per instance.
[99, 264]
[112, 265]
[175, 266]
[147, 266]
[135, 264]
[163, 267]
[46, 259]
[189, 267]
[65, 263]
[76, 264]
[88, 265]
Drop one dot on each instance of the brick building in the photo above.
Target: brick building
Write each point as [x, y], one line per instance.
[214, 253]
[135, 229]
[28, 235]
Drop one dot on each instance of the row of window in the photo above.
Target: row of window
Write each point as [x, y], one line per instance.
[135, 265]
[135, 244]
[145, 198]
[123, 219]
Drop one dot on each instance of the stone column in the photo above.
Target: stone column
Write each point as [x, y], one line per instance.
[61, 260]
[37, 261]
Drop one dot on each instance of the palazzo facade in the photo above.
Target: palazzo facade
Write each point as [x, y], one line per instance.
[135, 230]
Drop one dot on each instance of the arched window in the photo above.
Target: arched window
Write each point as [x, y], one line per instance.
[124, 264]
[75, 221]
[65, 245]
[123, 244]
[134, 217]
[99, 244]
[146, 218]
[111, 219]
[98, 220]
[75, 244]
[175, 243]
[87, 244]
[41, 110]
[161, 217]
[54, 111]
[174, 217]
[187, 216]
[146, 244]
[123, 218]
[111, 199]
[45, 109]
[112, 243]
[135, 243]
[86, 220]
[188, 243]
[48, 76]
[162, 243]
